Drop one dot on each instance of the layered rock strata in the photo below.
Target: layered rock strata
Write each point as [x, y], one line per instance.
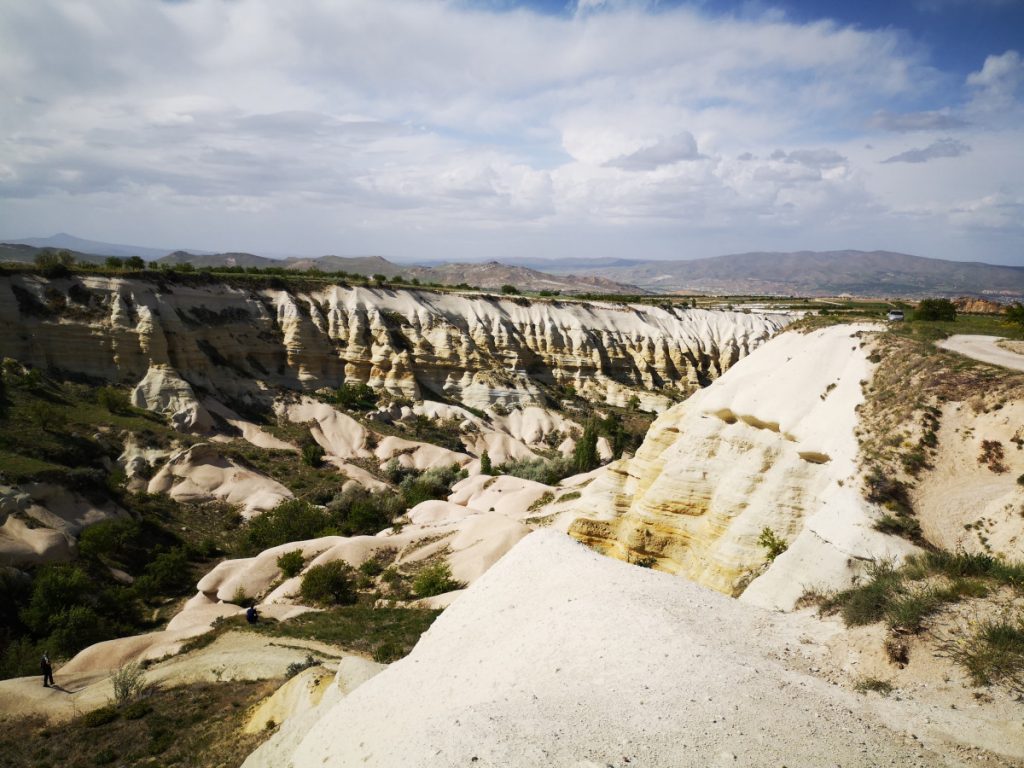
[475, 349]
[770, 445]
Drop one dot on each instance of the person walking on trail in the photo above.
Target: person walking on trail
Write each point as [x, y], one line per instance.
[47, 669]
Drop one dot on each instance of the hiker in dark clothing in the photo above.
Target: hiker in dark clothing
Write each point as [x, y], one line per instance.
[47, 670]
[251, 615]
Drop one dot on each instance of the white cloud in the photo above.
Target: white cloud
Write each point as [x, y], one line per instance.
[998, 83]
[432, 127]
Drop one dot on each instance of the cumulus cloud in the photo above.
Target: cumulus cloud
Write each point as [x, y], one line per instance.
[940, 148]
[998, 83]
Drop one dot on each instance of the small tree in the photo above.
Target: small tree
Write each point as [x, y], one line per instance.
[114, 400]
[1015, 313]
[935, 309]
[486, 468]
[312, 454]
[329, 584]
[584, 456]
[772, 543]
[113, 262]
[509, 289]
[54, 263]
[435, 579]
[291, 563]
[135, 262]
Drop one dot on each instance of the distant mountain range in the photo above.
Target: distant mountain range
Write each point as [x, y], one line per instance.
[817, 273]
[93, 247]
[799, 273]
[489, 275]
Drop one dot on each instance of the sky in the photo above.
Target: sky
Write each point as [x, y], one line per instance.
[496, 129]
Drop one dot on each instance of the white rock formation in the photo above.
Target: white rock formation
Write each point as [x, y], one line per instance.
[41, 521]
[164, 391]
[558, 656]
[200, 473]
[769, 445]
[475, 349]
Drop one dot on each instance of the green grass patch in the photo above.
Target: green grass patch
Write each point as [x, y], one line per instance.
[358, 628]
[896, 595]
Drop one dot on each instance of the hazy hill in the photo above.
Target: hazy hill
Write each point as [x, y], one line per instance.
[92, 247]
[822, 273]
[22, 252]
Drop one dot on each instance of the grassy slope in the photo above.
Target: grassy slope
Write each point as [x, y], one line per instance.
[197, 725]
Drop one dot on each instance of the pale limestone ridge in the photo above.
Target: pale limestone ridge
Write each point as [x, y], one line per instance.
[558, 656]
[769, 445]
[472, 348]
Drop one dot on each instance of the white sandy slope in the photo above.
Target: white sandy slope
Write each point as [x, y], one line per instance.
[561, 657]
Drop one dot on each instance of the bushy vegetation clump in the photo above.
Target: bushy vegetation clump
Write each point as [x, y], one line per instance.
[330, 583]
[291, 563]
[435, 579]
[935, 310]
[356, 397]
[990, 650]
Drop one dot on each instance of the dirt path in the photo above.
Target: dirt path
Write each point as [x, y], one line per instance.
[983, 348]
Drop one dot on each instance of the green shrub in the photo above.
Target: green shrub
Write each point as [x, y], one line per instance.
[291, 563]
[128, 682]
[435, 483]
[772, 543]
[114, 400]
[372, 567]
[435, 579]
[329, 584]
[994, 653]
[486, 468]
[168, 574]
[358, 511]
[867, 603]
[935, 309]
[356, 397]
[291, 520]
[312, 454]
[299, 666]
[906, 612]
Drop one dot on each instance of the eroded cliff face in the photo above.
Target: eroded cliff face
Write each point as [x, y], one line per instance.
[770, 445]
[476, 349]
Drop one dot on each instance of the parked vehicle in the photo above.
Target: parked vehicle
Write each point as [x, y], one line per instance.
[895, 315]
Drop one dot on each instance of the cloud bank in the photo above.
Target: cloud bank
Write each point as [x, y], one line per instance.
[422, 128]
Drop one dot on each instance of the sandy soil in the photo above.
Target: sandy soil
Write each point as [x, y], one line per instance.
[987, 349]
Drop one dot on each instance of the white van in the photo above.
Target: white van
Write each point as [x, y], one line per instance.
[895, 315]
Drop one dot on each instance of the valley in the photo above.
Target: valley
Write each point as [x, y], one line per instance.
[401, 481]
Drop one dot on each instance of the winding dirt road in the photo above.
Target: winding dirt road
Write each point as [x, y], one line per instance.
[983, 348]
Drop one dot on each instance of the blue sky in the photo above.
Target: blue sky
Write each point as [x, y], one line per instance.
[478, 129]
